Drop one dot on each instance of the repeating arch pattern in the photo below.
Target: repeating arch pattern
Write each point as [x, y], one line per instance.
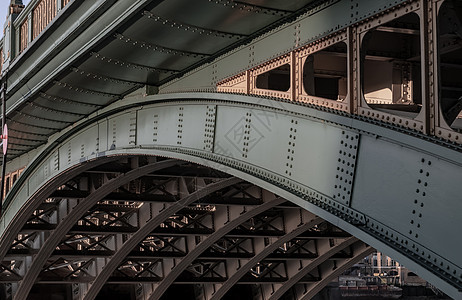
[151, 225]
[243, 214]
[73, 216]
[87, 247]
[232, 280]
[75, 219]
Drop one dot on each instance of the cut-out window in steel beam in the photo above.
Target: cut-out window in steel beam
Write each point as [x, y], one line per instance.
[273, 78]
[322, 75]
[391, 67]
[450, 62]
[277, 79]
[325, 73]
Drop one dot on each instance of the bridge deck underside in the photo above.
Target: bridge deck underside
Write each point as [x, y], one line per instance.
[383, 169]
[138, 52]
[329, 168]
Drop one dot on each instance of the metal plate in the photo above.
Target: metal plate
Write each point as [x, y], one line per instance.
[387, 170]
[80, 146]
[144, 53]
[218, 15]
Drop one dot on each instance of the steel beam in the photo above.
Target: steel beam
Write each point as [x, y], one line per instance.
[206, 243]
[66, 224]
[147, 228]
[259, 257]
[21, 216]
[361, 251]
[378, 146]
[325, 251]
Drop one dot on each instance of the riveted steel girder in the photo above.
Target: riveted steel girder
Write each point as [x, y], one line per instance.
[66, 224]
[79, 257]
[339, 150]
[148, 227]
[389, 182]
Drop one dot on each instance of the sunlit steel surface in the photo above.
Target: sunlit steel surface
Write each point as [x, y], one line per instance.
[348, 109]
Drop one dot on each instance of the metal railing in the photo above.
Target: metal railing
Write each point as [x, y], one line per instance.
[42, 14]
[27, 25]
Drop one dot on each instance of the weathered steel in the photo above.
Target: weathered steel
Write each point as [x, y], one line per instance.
[80, 92]
[372, 202]
[148, 227]
[232, 280]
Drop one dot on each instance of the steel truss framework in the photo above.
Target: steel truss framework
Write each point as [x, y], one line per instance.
[423, 95]
[101, 227]
[161, 222]
[431, 110]
[324, 156]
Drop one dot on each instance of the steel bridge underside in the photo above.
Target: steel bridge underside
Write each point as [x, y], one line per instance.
[330, 169]
[140, 174]
[150, 224]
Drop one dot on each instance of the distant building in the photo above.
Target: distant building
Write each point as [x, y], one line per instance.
[382, 269]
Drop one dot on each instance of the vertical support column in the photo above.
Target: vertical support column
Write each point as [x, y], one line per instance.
[59, 5]
[353, 69]
[251, 83]
[17, 41]
[429, 67]
[294, 78]
[8, 291]
[3, 96]
[435, 64]
[10, 34]
[247, 82]
[7, 37]
[299, 65]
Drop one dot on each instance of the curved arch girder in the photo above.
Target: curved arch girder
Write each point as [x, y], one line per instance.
[326, 251]
[204, 245]
[148, 227]
[66, 224]
[28, 208]
[336, 179]
[360, 251]
[232, 280]
[170, 278]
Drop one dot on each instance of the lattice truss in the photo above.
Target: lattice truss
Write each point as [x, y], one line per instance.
[202, 226]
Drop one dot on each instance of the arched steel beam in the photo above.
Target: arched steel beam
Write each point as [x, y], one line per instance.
[329, 251]
[390, 149]
[66, 224]
[361, 251]
[138, 236]
[36, 199]
[208, 242]
[260, 256]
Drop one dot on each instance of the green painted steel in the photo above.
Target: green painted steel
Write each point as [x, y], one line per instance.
[96, 52]
[393, 190]
[73, 99]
